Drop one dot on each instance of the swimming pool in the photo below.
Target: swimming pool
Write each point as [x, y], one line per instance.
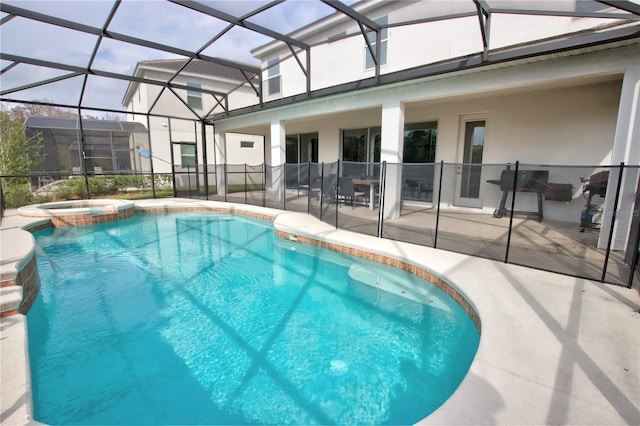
[212, 319]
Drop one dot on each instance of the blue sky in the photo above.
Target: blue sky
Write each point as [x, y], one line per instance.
[160, 21]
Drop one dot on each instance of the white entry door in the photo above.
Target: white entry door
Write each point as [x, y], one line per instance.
[469, 170]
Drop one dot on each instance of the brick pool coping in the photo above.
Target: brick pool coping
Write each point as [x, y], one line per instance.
[80, 213]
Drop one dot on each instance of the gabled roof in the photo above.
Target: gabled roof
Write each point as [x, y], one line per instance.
[195, 68]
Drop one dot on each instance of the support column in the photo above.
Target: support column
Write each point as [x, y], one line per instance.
[625, 149]
[278, 159]
[392, 145]
[220, 149]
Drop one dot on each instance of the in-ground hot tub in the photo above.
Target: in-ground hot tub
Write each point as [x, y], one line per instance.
[80, 212]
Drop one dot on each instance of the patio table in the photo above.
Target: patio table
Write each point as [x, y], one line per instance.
[372, 184]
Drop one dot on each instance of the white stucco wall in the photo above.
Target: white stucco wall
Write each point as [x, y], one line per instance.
[236, 154]
[562, 111]
[168, 104]
[562, 125]
[409, 46]
[181, 128]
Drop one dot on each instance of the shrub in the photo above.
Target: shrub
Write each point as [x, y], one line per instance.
[70, 190]
[17, 192]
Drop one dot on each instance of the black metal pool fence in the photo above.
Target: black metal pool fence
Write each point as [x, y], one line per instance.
[577, 220]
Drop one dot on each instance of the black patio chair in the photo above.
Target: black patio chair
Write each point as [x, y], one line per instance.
[347, 192]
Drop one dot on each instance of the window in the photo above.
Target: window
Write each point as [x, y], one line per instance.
[420, 142]
[194, 97]
[371, 36]
[188, 155]
[471, 179]
[291, 150]
[354, 145]
[302, 148]
[273, 82]
[309, 148]
[361, 146]
[246, 144]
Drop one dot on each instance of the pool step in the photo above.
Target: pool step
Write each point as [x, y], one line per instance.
[10, 300]
[400, 284]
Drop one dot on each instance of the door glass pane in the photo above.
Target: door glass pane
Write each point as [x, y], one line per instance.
[420, 143]
[309, 147]
[314, 150]
[472, 167]
[374, 149]
[292, 150]
[188, 155]
[354, 145]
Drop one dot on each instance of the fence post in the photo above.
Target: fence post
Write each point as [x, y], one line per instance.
[205, 166]
[435, 235]
[309, 188]
[245, 183]
[1, 200]
[383, 180]
[613, 222]
[321, 188]
[513, 204]
[226, 182]
[337, 191]
[283, 172]
[189, 179]
[264, 186]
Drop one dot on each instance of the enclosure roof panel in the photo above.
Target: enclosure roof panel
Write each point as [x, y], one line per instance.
[55, 52]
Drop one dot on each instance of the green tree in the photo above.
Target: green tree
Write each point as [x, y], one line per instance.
[19, 156]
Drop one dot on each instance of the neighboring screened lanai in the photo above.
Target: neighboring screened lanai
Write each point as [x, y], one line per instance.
[109, 146]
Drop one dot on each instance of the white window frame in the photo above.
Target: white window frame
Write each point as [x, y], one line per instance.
[368, 59]
[194, 96]
[273, 74]
[189, 155]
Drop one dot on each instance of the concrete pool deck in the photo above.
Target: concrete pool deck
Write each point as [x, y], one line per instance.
[554, 349]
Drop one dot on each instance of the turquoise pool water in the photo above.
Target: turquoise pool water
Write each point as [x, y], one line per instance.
[209, 319]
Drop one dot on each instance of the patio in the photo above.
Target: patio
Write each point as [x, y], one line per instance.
[555, 246]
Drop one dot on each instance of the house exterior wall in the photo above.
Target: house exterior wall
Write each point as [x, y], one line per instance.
[181, 128]
[343, 60]
[170, 106]
[557, 111]
[237, 154]
[562, 125]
